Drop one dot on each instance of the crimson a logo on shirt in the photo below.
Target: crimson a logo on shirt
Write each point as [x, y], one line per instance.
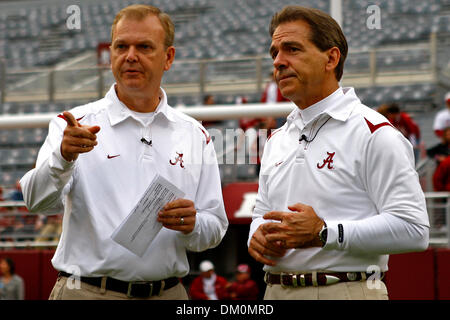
[328, 161]
[178, 159]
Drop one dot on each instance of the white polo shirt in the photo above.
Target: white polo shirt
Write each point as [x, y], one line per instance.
[99, 189]
[357, 171]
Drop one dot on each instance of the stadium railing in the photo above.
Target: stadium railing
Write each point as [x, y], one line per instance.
[438, 206]
[18, 228]
[400, 64]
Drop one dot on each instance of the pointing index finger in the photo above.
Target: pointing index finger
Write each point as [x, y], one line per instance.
[70, 119]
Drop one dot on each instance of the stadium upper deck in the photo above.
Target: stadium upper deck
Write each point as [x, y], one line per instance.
[35, 34]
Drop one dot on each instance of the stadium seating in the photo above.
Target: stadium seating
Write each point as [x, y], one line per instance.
[417, 93]
[205, 29]
[36, 36]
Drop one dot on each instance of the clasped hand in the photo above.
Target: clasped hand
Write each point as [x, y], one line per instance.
[296, 229]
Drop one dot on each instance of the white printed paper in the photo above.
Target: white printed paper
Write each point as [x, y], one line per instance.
[140, 227]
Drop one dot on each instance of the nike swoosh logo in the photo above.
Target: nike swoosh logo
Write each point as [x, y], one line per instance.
[110, 157]
[278, 163]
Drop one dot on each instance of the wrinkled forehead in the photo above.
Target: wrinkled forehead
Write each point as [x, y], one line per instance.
[130, 25]
[298, 30]
[294, 32]
[294, 29]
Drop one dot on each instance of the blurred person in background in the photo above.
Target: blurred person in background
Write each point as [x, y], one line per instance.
[440, 151]
[7, 226]
[16, 194]
[263, 127]
[23, 224]
[208, 285]
[404, 123]
[243, 288]
[2, 209]
[441, 176]
[338, 191]
[272, 93]
[11, 285]
[98, 160]
[442, 118]
[209, 100]
[49, 227]
[4, 220]
[441, 183]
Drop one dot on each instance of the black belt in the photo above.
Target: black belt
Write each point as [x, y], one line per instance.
[321, 278]
[133, 289]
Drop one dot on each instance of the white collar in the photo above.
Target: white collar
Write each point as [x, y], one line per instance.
[319, 107]
[118, 111]
[338, 105]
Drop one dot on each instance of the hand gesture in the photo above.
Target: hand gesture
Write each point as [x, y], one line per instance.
[265, 251]
[297, 229]
[77, 138]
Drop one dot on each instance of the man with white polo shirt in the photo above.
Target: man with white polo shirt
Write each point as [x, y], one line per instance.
[442, 118]
[99, 159]
[337, 191]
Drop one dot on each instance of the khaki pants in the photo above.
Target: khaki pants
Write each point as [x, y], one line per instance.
[358, 290]
[66, 291]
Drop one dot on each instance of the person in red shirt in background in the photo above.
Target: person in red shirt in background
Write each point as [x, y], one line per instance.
[441, 150]
[208, 285]
[441, 176]
[209, 100]
[243, 288]
[272, 93]
[441, 182]
[404, 123]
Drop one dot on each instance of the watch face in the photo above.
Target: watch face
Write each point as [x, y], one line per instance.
[323, 234]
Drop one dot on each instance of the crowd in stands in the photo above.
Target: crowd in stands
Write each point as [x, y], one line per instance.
[17, 225]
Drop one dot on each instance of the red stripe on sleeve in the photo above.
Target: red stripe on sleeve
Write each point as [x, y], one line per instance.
[208, 138]
[272, 133]
[374, 128]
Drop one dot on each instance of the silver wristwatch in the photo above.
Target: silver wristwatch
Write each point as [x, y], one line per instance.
[323, 234]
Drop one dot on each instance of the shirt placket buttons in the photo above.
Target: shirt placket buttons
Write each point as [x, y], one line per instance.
[300, 154]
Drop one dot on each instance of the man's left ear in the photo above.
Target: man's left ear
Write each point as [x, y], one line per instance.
[170, 56]
[334, 55]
